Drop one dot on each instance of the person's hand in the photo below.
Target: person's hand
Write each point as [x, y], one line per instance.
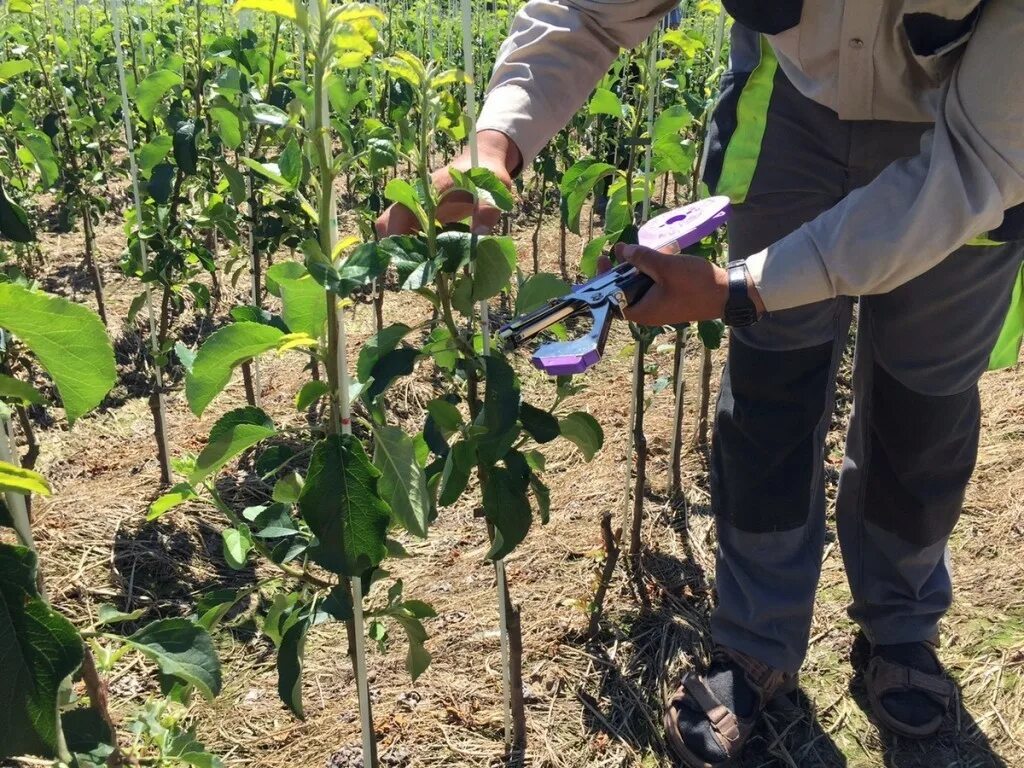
[686, 288]
[497, 153]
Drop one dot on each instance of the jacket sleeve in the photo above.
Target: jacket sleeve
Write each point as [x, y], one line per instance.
[920, 209]
[556, 52]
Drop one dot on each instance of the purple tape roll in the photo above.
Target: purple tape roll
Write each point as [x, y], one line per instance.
[682, 227]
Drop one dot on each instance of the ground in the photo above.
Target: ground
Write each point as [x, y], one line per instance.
[590, 702]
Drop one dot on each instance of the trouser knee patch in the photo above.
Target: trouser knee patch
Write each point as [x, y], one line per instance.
[766, 436]
[922, 452]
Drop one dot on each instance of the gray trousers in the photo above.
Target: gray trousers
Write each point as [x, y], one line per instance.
[913, 437]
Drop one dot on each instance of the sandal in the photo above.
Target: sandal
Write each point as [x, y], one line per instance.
[729, 730]
[884, 676]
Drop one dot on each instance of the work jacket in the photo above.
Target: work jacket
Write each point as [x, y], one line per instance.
[955, 64]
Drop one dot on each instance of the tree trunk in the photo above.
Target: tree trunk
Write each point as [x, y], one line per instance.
[679, 387]
[90, 263]
[611, 557]
[701, 433]
[640, 449]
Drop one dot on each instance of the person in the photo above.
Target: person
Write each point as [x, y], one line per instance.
[874, 154]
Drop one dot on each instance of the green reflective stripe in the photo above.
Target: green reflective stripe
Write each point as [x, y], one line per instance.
[1007, 348]
[983, 239]
[741, 155]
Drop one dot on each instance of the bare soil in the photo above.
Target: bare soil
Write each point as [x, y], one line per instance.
[590, 702]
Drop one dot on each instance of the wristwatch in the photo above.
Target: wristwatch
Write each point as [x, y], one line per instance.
[739, 308]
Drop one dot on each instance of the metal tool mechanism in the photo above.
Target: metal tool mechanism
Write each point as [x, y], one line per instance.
[608, 295]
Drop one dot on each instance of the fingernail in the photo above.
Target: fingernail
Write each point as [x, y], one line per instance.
[481, 231]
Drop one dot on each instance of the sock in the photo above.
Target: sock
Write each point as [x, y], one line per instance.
[728, 683]
[911, 707]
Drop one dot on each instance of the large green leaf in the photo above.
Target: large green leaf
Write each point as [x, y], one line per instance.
[377, 346]
[182, 649]
[583, 430]
[39, 649]
[495, 261]
[577, 183]
[14, 67]
[455, 475]
[234, 432]
[342, 506]
[68, 339]
[23, 481]
[537, 290]
[501, 409]
[507, 508]
[226, 348]
[403, 483]
[542, 426]
[303, 302]
[152, 90]
[605, 102]
[154, 152]
[290, 656]
[41, 149]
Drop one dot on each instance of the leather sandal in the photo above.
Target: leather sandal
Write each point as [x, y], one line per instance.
[883, 676]
[730, 731]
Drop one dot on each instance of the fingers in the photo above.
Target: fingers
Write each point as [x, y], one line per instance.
[603, 264]
[648, 261]
[399, 220]
[650, 309]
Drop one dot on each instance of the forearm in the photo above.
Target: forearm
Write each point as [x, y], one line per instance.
[918, 210]
[556, 52]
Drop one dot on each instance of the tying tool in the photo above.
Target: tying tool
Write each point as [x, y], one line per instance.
[608, 295]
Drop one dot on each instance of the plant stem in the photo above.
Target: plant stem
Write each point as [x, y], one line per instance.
[679, 390]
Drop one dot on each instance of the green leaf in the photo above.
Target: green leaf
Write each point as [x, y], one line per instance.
[285, 9]
[230, 125]
[311, 392]
[234, 432]
[268, 114]
[290, 656]
[303, 305]
[217, 358]
[381, 153]
[485, 179]
[397, 362]
[152, 90]
[287, 489]
[236, 182]
[178, 495]
[501, 409]
[577, 184]
[671, 121]
[495, 261]
[110, 614]
[711, 333]
[455, 476]
[68, 339]
[269, 171]
[20, 391]
[543, 496]
[237, 545]
[181, 649]
[14, 67]
[446, 416]
[23, 481]
[160, 183]
[402, 192]
[377, 346]
[619, 214]
[186, 153]
[342, 506]
[538, 290]
[185, 748]
[542, 426]
[154, 152]
[403, 483]
[366, 263]
[290, 163]
[604, 102]
[507, 508]
[592, 252]
[40, 649]
[583, 430]
[13, 219]
[41, 149]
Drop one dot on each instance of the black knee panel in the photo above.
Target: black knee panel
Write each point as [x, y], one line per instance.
[763, 456]
[922, 451]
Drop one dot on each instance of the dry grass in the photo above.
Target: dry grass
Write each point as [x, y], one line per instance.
[590, 702]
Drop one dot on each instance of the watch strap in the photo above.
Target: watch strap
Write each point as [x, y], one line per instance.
[740, 309]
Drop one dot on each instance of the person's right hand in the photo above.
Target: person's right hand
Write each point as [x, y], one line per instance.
[497, 152]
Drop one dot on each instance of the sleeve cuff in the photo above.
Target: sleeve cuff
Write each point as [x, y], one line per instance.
[507, 109]
[790, 273]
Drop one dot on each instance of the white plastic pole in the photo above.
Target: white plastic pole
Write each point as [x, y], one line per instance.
[501, 583]
[129, 139]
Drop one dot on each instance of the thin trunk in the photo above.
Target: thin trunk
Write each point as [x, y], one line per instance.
[562, 237]
[540, 221]
[515, 655]
[640, 449]
[679, 386]
[700, 440]
[96, 688]
[611, 557]
[90, 262]
[156, 398]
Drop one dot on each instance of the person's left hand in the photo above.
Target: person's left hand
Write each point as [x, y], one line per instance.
[686, 288]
